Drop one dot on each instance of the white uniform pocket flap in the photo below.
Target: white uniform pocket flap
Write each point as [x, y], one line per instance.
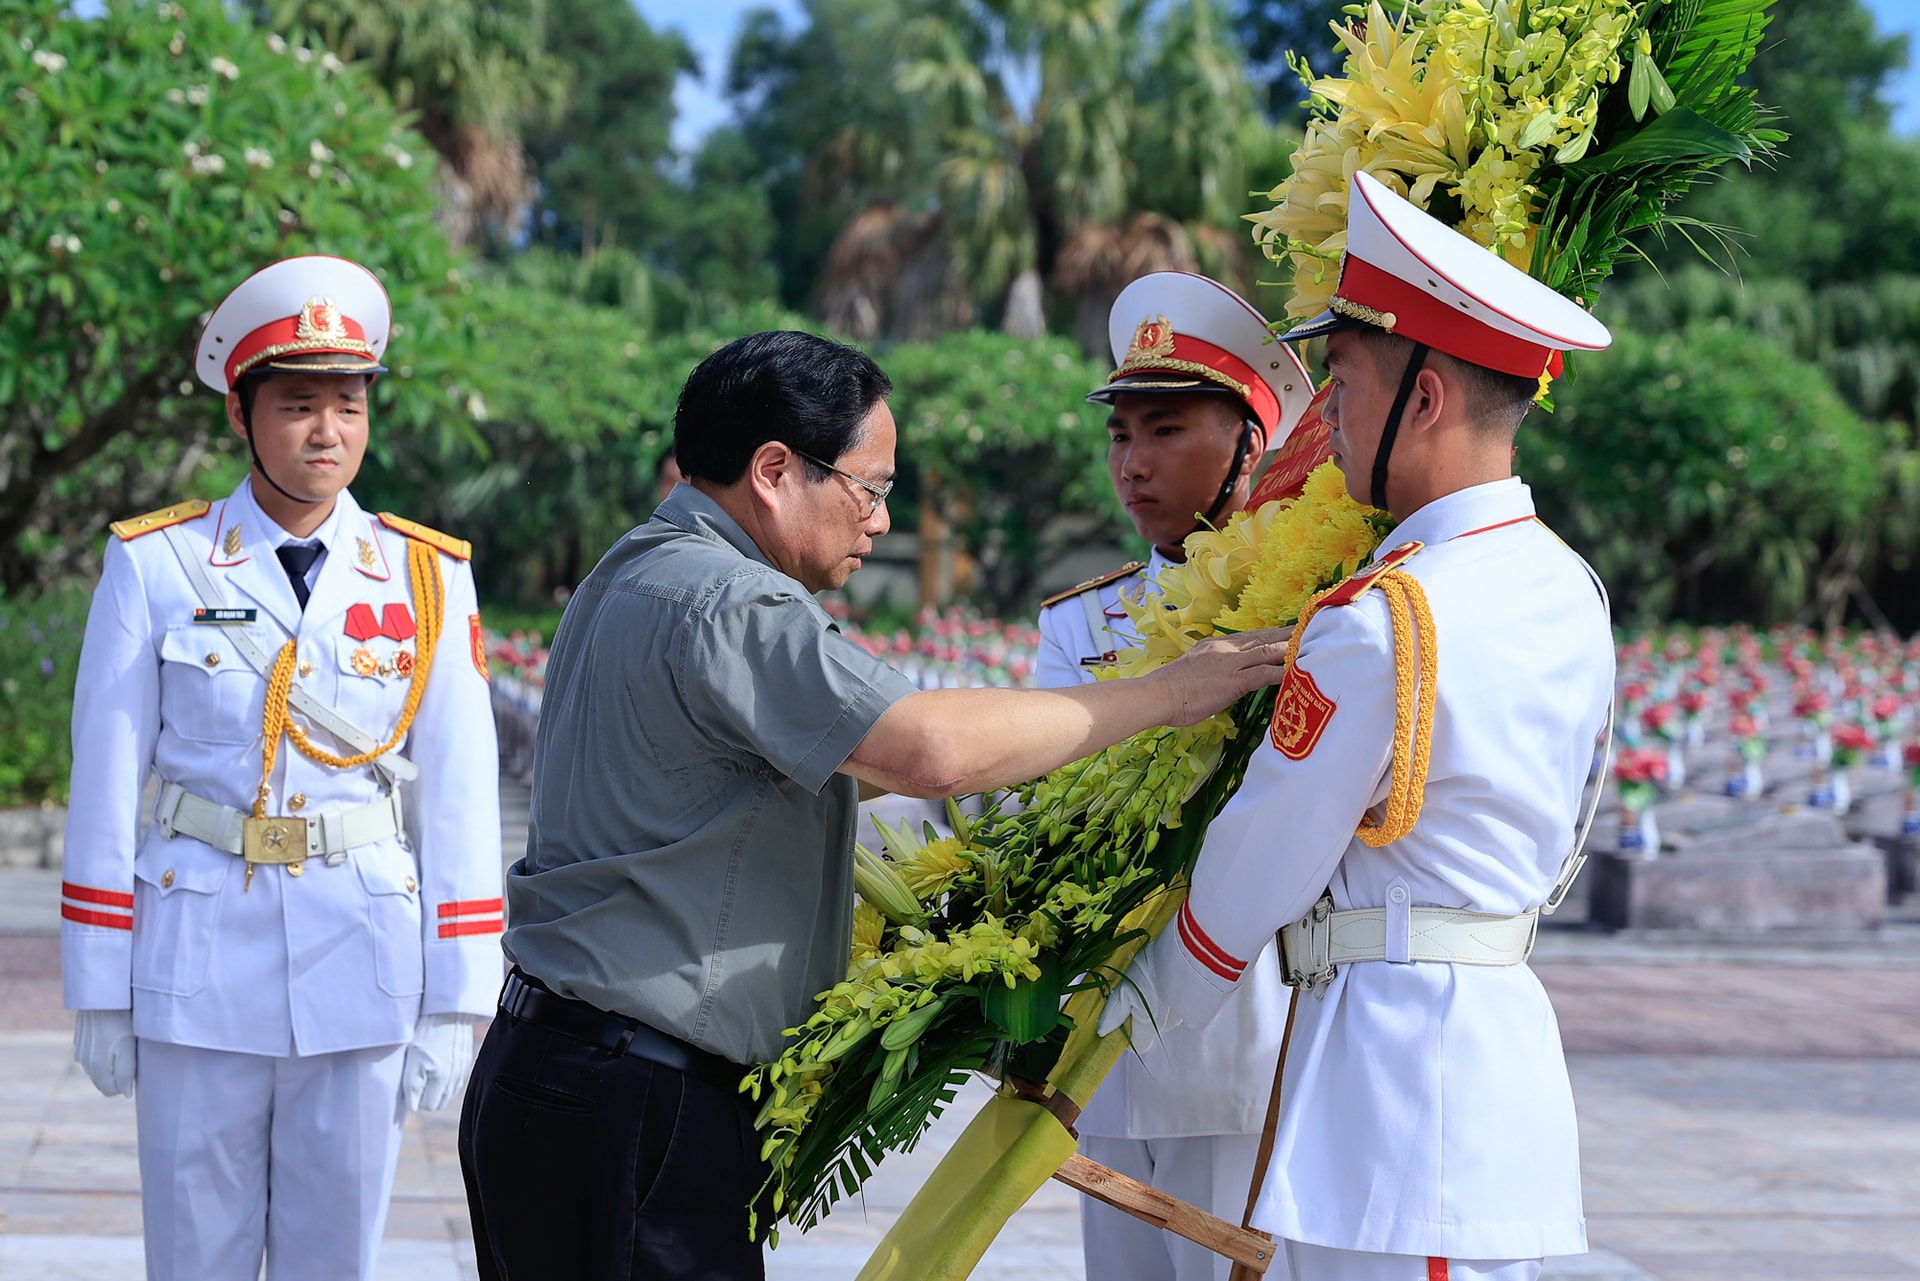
[197, 876]
[203, 647]
[385, 873]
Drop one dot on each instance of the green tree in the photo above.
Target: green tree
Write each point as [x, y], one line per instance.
[1842, 200]
[830, 132]
[995, 436]
[1709, 474]
[572, 405]
[474, 75]
[602, 162]
[151, 158]
[1273, 30]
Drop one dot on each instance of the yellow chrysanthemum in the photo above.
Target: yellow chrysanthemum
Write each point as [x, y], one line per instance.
[1322, 529]
[869, 929]
[932, 868]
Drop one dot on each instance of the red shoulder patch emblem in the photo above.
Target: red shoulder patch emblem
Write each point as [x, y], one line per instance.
[1353, 588]
[479, 641]
[1300, 714]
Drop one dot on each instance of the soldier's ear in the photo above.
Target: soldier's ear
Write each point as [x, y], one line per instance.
[236, 417]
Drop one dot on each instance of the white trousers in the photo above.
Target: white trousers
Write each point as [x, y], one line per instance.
[244, 1156]
[1212, 1172]
[1319, 1263]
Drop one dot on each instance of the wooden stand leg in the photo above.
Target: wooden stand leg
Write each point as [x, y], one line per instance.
[1248, 1249]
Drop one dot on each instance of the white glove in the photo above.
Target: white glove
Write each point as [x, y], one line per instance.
[1138, 992]
[103, 1045]
[438, 1061]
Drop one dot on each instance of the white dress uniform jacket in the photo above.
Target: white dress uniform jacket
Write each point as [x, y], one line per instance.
[1426, 1108]
[1192, 1081]
[340, 957]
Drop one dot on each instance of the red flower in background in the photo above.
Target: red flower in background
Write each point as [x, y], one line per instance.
[1640, 765]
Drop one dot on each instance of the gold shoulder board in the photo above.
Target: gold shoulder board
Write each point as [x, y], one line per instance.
[1353, 588]
[1127, 570]
[134, 526]
[458, 548]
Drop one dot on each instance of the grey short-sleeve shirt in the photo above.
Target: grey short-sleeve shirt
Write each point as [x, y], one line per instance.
[689, 850]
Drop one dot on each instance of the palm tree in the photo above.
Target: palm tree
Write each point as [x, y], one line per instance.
[474, 73]
[1028, 105]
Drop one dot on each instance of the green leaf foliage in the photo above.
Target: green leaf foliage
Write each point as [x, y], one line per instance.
[39, 656]
[571, 407]
[1703, 472]
[150, 159]
[1000, 435]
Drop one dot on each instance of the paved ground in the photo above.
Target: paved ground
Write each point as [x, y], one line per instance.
[1745, 1112]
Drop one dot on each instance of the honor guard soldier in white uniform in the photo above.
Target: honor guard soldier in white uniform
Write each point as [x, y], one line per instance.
[1418, 797]
[281, 892]
[1200, 393]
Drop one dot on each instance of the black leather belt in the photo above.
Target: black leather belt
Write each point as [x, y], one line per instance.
[617, 1033]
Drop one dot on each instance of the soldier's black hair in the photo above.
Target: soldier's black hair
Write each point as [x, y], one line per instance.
[1495, 401]
[807, 393]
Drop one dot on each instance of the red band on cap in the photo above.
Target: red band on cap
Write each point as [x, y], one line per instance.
[1220, 366]
[281, 338]
[1425, 319]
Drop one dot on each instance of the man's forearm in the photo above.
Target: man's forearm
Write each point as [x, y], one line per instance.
[950, 742]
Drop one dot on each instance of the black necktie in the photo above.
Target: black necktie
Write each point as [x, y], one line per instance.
[297, 559]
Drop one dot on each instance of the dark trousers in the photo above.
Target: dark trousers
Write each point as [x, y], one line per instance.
[583, 1164]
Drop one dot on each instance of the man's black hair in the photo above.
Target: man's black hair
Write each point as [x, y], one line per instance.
[1495, 401]
[807, 393]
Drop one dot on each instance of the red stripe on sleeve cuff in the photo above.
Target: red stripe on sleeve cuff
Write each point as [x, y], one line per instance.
[454, 929]
[472, 907]
[1205, 950]
[106, 898]
[85, 917]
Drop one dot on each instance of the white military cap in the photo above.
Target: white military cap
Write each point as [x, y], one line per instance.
[1175, 331]
[1412, 275]
[292, 316]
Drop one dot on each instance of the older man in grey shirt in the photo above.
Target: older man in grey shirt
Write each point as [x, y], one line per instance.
[687, 888]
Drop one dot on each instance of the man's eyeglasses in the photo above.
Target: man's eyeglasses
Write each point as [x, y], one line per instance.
[879, 492]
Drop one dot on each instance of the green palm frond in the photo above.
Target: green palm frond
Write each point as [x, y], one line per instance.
[1640, 164]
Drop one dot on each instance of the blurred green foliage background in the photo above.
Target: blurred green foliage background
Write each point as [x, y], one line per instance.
[960, 185]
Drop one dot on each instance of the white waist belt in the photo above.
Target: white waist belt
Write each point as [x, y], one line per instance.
[328, 836]
[1316, 945]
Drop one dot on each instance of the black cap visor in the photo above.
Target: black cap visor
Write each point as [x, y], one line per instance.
[1157, 381]
[1327, 322]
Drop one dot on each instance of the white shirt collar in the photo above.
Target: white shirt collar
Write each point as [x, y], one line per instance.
[1464, 511]
[277, 537]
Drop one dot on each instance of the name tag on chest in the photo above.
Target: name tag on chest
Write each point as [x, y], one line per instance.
[224, 616]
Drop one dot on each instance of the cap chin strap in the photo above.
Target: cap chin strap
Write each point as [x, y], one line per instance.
[1212, 518]
[1387, 434]
[246, 419]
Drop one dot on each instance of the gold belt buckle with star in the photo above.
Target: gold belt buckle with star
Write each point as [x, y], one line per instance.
[277, 840]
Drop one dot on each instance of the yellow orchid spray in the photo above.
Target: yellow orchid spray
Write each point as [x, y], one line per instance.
[965, 945]
[1454, 102]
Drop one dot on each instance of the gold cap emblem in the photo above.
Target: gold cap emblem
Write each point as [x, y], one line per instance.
[1152, 339]
[320, 321]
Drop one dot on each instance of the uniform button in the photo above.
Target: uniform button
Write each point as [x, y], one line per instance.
[410, 885]
[1397, 895]
[297, 802]
[296, 869]
[213, 660]
[306, 667]
[166, 880]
